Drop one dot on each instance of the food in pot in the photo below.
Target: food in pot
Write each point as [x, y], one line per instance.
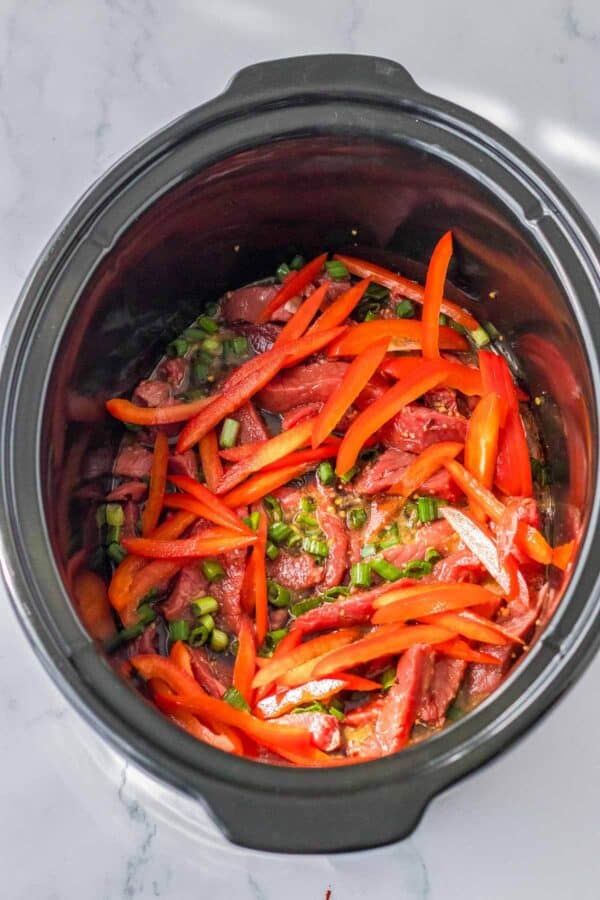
[323, 540]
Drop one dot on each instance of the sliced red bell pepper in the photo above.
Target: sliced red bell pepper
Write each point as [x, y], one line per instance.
[303, 316]
[405, 287]
[264, 483]
[213, 509]
[340, 309]
[303, 653]
[259, 573]
[394, 640]
[189, 695]
[281, 702]
[291, 640]
[434, 294]
[325, 451]
[293, 286]
[242, 451]
[210, 460]
[440, 598]
[402, 334]
[427, 463]
[513, 468]
[125, 411]
[481, 444]
[154, 573]
[119, 589]
[158, 482]
[458, 648]
[91, 600]
[563, 554]
[248, 379]
[194, 726]
[247, 598]
[472, 626]
[245, 661]
[466, 379]
[531, 541]
[355, 379]
[269, 452]
[211, 542]
[180, 655]
[382, 410]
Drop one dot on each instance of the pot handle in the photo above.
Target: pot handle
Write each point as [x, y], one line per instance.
[326, 75]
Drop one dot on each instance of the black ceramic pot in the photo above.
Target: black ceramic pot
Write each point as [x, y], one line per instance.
[312, 153]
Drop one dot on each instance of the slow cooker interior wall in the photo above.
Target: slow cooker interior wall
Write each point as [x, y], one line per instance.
[234, 222]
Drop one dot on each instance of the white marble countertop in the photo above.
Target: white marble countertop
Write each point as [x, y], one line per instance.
[80, 83]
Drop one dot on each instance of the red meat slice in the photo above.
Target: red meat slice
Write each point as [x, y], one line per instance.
[145, 643]
[462, 565]
[129, 490]
[298, 573]
[152, 393]
[308, 383]
[247, 303]
[184, 464]
[133, 462]
[260, 337]
[388, 468]
[190, 584]
[435, 535]
[210, 673]
[131, 514]
[337, 537]
[298, 414]
[442, 399]
[440, 689]
[353, 610]
[416, 427]
[228, 590]
[324, 728]
[176, 372]
[252, 427]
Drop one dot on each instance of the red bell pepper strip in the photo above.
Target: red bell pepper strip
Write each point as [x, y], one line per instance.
[440, 598]
[264, 483]
[325, 451]
[481, 443]
[271, 451]
[211, 542]
[189, 695]
[425, 465]
[380, 643]
[341, 308]
[150, 576]
[405, 287]
[434, 294]
[282, 702]
[125, 411]
[123, 577]
[242, 451]
[402, 334]
[201, 510]
[158, 482]
[248, 379]
[531, 541]
[472, 626]
[458, 648]
[193, 726]
[303, 653]
[210, 460]
[180, 655]
[259, 572]
[513, 468]
[245, 661]
[91, 600]
[382, 410]
[563, 554]
[465, 379]
[303, 316]
[291, 640]
[359, 373]
[216, 511]
[247, 598]
[292, 286]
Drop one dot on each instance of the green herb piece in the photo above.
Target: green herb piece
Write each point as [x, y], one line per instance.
[279, 532]
[274, 510]
[272, 551]
[307, 504]
[176, 348]
[377, 292]
[212, 569]
[360, 574]
[356, 518]
[271, 641]
[199, 372]
[432, 555]
[113, 534]
[315, 546]
[235, 699]
[416, 568]
[207, 621]
[212, 345]
[325, 473]
[202, 606]
[371, 315]
[207, 324]
[253, 520]
[388, 677]
[101, 515]
[116, 552]
[219, 640]
[492, 331]
[389, 538]
[131, 427]
[179, 630]
[349, 475]
[336, 269]
[386, 569]
[114, 515]
[405, 309]
[427, 509]
[198, 636]
[229, 432]
[282, 271]
[195, 335]
[297, 263]
[454, 713]
[479, 336]
[307, 522]
[278, 595]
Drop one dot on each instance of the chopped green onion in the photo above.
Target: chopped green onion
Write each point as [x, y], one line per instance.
[307, 504]
[114, 514]
[454, 713]
[371, 315]
[200, 372]
[306, 521]
[177, 347]
[202, 606]
[315, 547]
[388, 677]
[432, 555]
[278, 595]
[427, 509]
[274, 510]
[386, 569]
[443, 319]
[333, 593]
[377, 292]
[212, 345]
[212, 569]
[295, 539]
[207, 324]
[272, 551]
[282, 271]
[229, 433]
[297, 263]
[194, 335]
[101, 513]
[405, 309]
[219, 640]
[271, 641]
[198, 636]
[239, 345]
[336, 269]
[127, 634]
[356, 518]
[234, 646]
[131, 427]
[179, 630]
[211, 309]
[145, 614]
[410, 510]
[334, 711]
[297, 609]
[147, 598]
[207, 621]
[416, 568]
[315, 706]
[279, 532]
[326, 473]
[113, 534]
[389, 538]
[368, 550]
[349, 475]
[492, 331]
[252, 521]
[235, 699]
[479, 336]
[360, 574]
